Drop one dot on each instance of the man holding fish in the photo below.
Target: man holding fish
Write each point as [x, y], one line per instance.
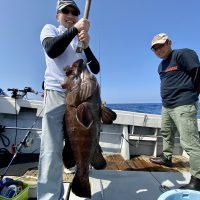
[59, 44]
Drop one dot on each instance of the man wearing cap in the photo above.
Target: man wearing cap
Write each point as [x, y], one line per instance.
[59, 44]
[180, 86]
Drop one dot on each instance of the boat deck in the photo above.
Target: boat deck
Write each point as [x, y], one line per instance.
[136, 177]
[136, 163]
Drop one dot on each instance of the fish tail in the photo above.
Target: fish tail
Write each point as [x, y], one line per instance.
[81, 186]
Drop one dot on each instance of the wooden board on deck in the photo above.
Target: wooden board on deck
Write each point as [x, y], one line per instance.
[142, 163]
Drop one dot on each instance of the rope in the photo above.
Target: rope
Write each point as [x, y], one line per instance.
[4, 151]
[144, 125]
[140, 136]
[128, 141]
[3, 137]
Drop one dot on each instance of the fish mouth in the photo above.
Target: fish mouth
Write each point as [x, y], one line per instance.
[80, 66]
[80, 62]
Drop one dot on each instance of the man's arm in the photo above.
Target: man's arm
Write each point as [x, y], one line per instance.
[55, 46]
[92, 61]
[195, 74]
[190, 62]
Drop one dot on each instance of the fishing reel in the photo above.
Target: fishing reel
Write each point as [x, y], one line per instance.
[19, 94]
[2, 93]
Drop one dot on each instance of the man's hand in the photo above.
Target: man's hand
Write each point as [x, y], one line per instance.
[84, 37]
[82, 24]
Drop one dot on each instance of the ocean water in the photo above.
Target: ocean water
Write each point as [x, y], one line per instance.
[151, 108]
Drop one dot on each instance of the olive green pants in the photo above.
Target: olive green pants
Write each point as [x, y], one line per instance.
[184, 120]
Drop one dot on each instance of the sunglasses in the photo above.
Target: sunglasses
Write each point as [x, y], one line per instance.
[67, 11]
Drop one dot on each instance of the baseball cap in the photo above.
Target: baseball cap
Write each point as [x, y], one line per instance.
[63, 3]
[161, 38]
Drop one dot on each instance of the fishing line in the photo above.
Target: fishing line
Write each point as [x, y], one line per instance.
[163, 188]
[100, 65]
[100, 73]
[16, 119]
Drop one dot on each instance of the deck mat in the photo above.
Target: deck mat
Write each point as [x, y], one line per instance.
[19, 166]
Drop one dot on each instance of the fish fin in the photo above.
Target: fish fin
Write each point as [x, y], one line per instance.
[67, 154]
[107, 115]
[84, 116]
[81, 186]
[98, 161]
[68, 157]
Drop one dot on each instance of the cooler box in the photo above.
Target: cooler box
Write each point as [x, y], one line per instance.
[179, 194]
[23, 195]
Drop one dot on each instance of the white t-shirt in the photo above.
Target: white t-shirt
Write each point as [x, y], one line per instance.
[54, 74]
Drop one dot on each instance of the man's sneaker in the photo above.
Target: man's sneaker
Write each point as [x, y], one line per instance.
[161, 161]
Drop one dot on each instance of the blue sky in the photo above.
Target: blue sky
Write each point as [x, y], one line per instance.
[121, 32]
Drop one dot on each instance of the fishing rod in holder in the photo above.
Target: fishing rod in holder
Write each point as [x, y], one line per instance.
[17, 150]
[19, 94]
[26, 142]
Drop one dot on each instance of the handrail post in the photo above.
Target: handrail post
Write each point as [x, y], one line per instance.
[125, 144]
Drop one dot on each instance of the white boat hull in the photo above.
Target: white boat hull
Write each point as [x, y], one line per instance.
[132, 133]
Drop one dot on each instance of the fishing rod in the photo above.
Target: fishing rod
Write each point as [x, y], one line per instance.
[80, 45]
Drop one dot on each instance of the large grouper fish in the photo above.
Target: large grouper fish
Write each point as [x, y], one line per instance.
[82, 126]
